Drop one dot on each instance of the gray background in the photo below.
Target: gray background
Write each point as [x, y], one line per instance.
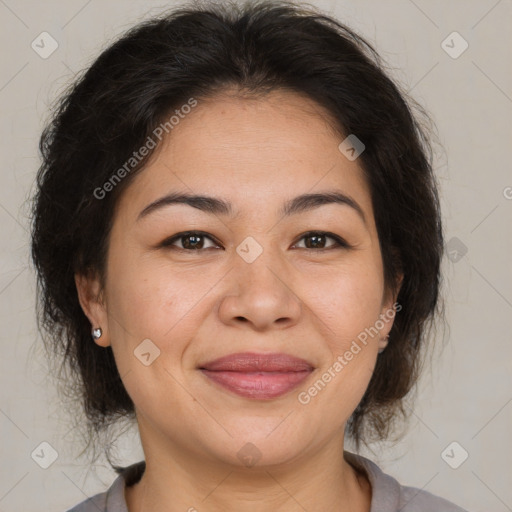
[466, 396]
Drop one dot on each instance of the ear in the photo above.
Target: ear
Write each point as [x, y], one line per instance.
[90, 296]
[388, 311]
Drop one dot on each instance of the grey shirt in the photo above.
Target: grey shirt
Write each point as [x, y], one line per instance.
[387, 494]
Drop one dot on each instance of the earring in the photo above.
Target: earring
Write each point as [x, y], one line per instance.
[96, 333]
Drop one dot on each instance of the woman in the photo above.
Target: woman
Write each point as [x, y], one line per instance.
[239, 207]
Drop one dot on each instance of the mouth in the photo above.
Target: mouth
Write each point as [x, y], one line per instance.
[258, 376]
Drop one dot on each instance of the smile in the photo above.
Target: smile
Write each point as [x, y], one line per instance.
[258, 385]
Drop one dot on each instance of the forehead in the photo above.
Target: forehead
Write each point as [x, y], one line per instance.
[250, 150]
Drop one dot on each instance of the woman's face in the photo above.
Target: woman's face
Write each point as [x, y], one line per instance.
[253, 280]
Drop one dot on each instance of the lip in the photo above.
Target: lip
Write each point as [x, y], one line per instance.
[258, 376]
[258, 362]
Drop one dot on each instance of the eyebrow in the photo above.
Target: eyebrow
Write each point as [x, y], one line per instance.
[216, 206]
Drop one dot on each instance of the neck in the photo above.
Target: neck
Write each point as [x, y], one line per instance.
[185, 480]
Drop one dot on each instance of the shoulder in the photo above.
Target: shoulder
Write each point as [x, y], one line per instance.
[113, 499]
[418, 500]
[388, 495]
[94, 504]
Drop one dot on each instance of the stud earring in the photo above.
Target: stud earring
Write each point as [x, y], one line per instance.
[96, 333]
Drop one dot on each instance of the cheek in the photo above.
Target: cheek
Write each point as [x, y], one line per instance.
[347, 300]
[150, 299]
[347, 306]
[146, 303]
[348, 303]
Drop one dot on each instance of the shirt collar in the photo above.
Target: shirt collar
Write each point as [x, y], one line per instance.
[385, 489]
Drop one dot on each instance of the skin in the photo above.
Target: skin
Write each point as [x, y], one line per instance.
[202, 304]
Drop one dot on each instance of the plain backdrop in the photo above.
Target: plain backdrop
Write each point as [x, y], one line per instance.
[466, 398]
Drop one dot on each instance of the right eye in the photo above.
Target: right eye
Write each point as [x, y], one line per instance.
[189, 240]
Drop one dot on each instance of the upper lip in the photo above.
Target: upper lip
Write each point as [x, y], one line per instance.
[252, 362]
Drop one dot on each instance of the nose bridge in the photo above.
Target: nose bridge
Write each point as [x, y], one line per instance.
[262, 292]
[260, 268]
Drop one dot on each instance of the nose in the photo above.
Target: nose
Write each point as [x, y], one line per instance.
[260, 295]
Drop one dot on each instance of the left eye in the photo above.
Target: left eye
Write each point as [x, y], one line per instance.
[318, 240]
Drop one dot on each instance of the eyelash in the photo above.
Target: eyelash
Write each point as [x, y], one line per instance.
[339, 242]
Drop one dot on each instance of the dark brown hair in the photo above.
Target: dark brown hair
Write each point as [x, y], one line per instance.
[198, 51]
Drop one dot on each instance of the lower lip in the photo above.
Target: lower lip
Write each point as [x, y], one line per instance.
[257, 385]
